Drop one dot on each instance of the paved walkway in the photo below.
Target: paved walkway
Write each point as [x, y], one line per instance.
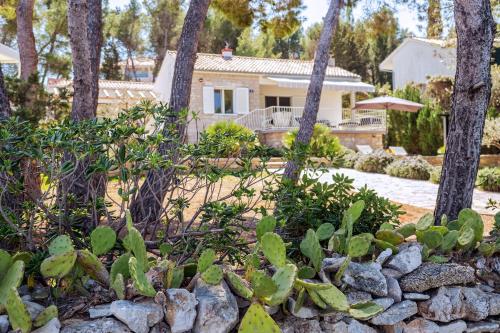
[412, 192]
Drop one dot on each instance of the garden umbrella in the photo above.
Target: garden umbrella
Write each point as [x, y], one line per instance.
[388, 103]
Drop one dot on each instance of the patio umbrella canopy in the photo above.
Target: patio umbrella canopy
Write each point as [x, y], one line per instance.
[8, 55]
[388, 103]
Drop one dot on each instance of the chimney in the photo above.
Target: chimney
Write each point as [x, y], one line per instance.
[331, 61]
[227, 52]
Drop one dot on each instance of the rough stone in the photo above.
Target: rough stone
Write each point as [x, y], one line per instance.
[350, 325]
[366, 278]
[484, 326]
[139, 317]
[180, 310]
[395, 313]
[430, 275]
[161, 327]
[421, 325]
[393, 289]
[102, 325]
[451, 303]
[4, 323]
[407, 260]
[305, 312]
[332, 264]
[33, 308]
[383, 256]
[100, 311]
[385, 302]
[396, 328]
[354, 297]
[494, 304]
[389, 272]
[53, 326]
[457, 326]
[217, 308]
[296, 325]
[40, 293]
[416, 296]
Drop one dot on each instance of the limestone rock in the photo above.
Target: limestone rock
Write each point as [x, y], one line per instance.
[296, 325]
[180, 310]
[53, 326]
[367, 278]
[350, 325]
[393, 289]
[33, 308]
[395, 313]
[396, 328]
[407, 260]
[416, 296]
[354, 297]
[305, 312]
[217, 308]
[429, 276]
[139, 317]
[451, 303]
[458, 326]
[383, 256]
[161, 327]
[103, 325]
[484, 326]
[389, 272]
[332, 264]
[99, 311]
[4, 323]
[421, 325]
[385, 302]
[494, 304]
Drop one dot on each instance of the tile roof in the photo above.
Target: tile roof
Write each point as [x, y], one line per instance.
[106, 84]
[252, 65]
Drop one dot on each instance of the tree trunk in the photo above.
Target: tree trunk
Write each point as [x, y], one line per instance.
[26, 38]
[5, 110]
[471, 94]
[292, 169]
[146, 208]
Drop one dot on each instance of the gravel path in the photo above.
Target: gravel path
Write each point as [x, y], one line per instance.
[412, 192]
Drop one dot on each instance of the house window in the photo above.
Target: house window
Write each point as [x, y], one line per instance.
[223, 101]
[277, 101]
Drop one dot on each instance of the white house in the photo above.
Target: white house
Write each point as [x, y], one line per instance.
[418, 59]
[268, 96]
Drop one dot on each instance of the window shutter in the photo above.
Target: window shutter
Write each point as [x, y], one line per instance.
[242, 101]
[208, 99]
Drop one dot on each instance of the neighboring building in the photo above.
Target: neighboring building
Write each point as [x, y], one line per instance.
[268, 96]
[144, 68]
[114, 96]
[418, 59]
[9, 56]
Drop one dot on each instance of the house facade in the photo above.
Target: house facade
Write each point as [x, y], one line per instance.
[418, 59]
[268, 96]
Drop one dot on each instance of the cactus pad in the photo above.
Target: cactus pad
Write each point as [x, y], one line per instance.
[390, 236]
[274, 249]
[212, 275]
[316, 299]
[284, 279]
[334, 298]
[118, 285]
[359, 245]
[263, 285]
[177, 277]
[325, 231]
[352, 214]
[12, 279]
[61, 244]
[438, 259]
[238, 285]
[141, 283]
[190, 269]
[266, 224]
[486, 249]
[386, 226]
[365, 310]
[206, 260]
[472, 219]
[384, 245]
[466, 238]
[432, 239]
[425, 222]
[256, 319]
[59, 265]
[93, 266]
[138, 248]
[439, 228]
[45, 316]
[120, 266]
[102, 239]
[300, 300]
[19, 316]
[23, 255]
[312, 285]
[311, 248]
[450, 241]
[407, 230]
[5, 262]
[306, 272]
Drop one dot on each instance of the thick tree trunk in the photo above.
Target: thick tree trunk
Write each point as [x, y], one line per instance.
[147, 206]
[471, 94]
[26, 38]
[5, 110]
[292, 169]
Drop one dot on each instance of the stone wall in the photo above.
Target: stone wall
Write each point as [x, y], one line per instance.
[485, 161]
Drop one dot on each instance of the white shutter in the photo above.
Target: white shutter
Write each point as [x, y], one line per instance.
[242, 101]
[208, 100]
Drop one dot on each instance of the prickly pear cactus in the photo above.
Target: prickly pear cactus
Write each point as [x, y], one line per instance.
[432, 239]
[334, 298]
[306, 272]
[390, 236]
[342, 269]
[359, 245]
[284, 279]
[45, 316]
[102, 239]
[407, 230]
[352, 214]
[23, 255]
[238, 285]
[266, 224]
[384, 245]
[256, 319]
[19, 316]
[300, 300]
[58, 265]
[206, 260]
[311, 285]
[120, 266]
[425, 222]
[316, 299]
[212, 275]
[118, 285]
[450, 241]
[325, 231]
[472, 219]
[466, 238]
[12, 279]
[386, 226]
[366, 310]
[93, 266]
[177, 277]
[263, 285]
[141, 283]
[5, 262]
[61, 244]
[190, 269]
[438, 259]
[138, 248]
[274, 249]
[439, 228]
[311, 248]
[486, 249]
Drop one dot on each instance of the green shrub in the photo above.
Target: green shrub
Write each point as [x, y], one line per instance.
[323, 142]
[349, 158]
[414, 167]
[374, 162]
[435, 175]
[488, 179]
[227, 139]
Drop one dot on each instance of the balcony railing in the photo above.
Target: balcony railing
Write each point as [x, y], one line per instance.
[285, 117]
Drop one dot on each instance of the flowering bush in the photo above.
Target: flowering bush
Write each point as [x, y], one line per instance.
[374, 162]
[410, 167]
[349, 158]
[435, 175]
[488, 179]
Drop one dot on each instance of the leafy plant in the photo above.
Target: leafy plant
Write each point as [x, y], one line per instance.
[410, 167]
[323, 143]
[349, 158]
[488, 179]
[227, 139]
[375, 162]
[435, 175]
